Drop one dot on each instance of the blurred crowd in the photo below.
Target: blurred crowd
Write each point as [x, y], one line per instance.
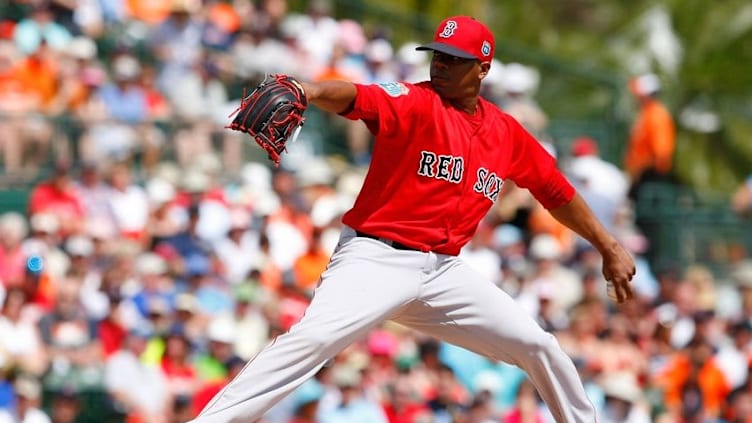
[151, 265]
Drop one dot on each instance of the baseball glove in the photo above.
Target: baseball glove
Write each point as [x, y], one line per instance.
[272, 114]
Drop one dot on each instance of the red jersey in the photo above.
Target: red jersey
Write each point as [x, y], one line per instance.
[437, 170]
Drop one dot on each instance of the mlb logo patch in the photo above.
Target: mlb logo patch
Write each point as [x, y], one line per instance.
[485, 48]
[394, 89]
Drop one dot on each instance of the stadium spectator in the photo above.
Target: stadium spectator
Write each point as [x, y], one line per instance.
[315, 33]
[450, 399]
[58, 197]
[624, 401]
[527, 407]
[212, 364]
[235, 249]
[149, 12]
[198, 98]
[20, 341]
[79, 71]
[112, 329]
[177, 368]
[403, 403]
[211, 387]
[211, 293]
[594, 175]
[176, 42]
[39, 28]
[308, 266]
[518, 84]
[13, 231]
[66, 406]
[28, 403]
[649, 156]
[140, 390]
[18, 106]
[307, 399]
[71, 341]
[128, 202]
[95, 195]
[249, 318]
[353, 406]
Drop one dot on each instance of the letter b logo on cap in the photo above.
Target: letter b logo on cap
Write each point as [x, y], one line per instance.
[449, 29]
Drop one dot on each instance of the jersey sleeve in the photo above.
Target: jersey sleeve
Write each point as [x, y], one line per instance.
[383, 106]
[535, 169]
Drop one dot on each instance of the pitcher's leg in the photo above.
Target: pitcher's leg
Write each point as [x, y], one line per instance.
[462, 308]
[355, 295]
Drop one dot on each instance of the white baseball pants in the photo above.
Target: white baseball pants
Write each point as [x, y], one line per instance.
[367, 282]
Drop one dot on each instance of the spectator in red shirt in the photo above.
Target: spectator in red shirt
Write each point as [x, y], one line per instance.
[207, 392]
[57, 195]
[403, 404]
[182, 377]
[110, 330]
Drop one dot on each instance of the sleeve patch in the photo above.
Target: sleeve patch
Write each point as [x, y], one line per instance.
[394, 89]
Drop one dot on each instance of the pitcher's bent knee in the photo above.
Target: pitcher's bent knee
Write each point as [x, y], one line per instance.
[314, 342]
[539, 343]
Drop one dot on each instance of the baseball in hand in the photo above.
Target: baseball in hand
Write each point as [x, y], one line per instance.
[611, 291]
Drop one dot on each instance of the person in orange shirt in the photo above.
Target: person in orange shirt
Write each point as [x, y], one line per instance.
[151, 12]
[650, 153]
[693, 384]
[310, 265]
[39, 73]
[26, 83]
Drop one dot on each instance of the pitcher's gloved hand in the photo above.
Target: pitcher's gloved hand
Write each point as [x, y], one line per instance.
[272, 114]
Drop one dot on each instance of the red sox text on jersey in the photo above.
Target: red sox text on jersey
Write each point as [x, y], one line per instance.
[440, 169]
[450, 169]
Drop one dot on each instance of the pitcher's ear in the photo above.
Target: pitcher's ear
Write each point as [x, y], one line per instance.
[484, 69]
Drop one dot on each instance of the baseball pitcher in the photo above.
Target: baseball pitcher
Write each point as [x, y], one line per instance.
[440, 159]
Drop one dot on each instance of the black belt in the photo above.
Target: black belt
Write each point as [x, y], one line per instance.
[394, 244]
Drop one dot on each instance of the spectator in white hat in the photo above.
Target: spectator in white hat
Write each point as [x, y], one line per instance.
[221, 335]
[166, 218]
[379, 62]
[519, 84]
[547, 254]
[153, 283]
[413, 64]
[235, 249]
[624, 400]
